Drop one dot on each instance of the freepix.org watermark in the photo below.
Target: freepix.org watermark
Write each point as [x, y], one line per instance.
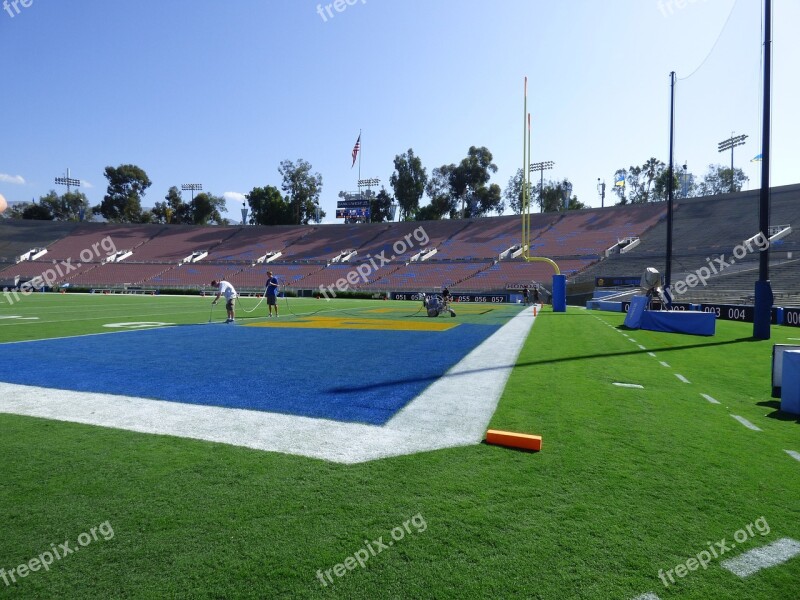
[56, 552]
[12, 7]
[362, 272]
[61, 269]
[715, 550]
[716, 266]
[371, 549]
[325, 11]
[667, 7]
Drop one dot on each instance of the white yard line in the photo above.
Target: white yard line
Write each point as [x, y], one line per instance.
[754, 560]
[746, 423]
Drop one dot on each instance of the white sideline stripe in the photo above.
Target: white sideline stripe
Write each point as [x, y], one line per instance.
[663, 364]
[651, 354]
[710, 399]
[647, 596]
[642, 347]
[443, 416]
[754, 560]
[793, 454]
[630, 385]
[682, 378]
[746, 423]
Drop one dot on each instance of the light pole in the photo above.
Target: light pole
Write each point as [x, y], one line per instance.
[368, 183]
[567, 195]
[541, 167]
[601, 189]
[70, 182]
[685, 181]
[194, 187]
[730, 144]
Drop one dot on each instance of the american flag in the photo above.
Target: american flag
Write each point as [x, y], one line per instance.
[356, 148]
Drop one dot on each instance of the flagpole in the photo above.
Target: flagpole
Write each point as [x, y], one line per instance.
[360, 152]
[525, 168]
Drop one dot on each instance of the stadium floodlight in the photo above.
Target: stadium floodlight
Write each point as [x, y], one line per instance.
[541, 167]
[730, 144]
[194, 187]
[68, 181]
[368, 183]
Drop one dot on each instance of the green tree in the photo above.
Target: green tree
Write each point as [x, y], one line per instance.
[553, 197]
[380, 207]
[439, 191]
[37, 212]
[205, 209]
[173, 210]
[660, 191]
[67, 207]
[513, 192]
[122, 203]
[408, 182]
[718, 181]
[469, 180]
[651, 169]
[303, 188]
[267, 207]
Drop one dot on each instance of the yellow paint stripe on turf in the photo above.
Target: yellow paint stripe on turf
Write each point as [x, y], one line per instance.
[357, 323]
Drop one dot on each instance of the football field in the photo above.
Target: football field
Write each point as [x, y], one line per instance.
[150, 451]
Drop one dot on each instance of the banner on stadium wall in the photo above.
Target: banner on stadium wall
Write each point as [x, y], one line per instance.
[736, 312]
[616, 281]
[791, 317]
[471, 298]
[656, 305]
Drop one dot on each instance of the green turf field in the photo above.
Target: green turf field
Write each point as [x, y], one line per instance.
[630, 482]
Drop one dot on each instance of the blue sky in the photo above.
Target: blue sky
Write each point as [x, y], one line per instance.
[220, 92]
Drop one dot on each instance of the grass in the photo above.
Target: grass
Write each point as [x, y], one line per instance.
[630, 481]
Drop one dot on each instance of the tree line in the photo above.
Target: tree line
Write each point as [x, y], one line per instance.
[456, 190]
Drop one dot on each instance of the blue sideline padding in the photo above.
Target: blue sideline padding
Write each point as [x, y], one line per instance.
[679, 321]
[790, 385]
[634, 317]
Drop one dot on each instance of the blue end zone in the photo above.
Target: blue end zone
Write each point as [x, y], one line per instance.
[348, 375]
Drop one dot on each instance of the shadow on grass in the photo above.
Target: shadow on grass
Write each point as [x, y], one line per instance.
[779, 415]
[526, 364]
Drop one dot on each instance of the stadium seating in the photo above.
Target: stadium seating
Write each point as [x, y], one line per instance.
[17, 236]
[467, 256]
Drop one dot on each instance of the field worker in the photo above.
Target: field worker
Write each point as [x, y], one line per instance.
[272, 293]
[226, 289]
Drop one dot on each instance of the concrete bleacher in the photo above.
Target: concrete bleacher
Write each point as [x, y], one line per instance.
[708, 228]
[175, 242]
[249, 244]
[592, 231]
[287, 274]
[467, 250]
[324, 242]
[488, 237]
[430, 275]
[18, 236]
[94, 239]
[51, 272]
[517, 272]
[115, 274]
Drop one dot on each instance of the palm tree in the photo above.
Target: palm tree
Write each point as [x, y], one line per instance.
[651, 169]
